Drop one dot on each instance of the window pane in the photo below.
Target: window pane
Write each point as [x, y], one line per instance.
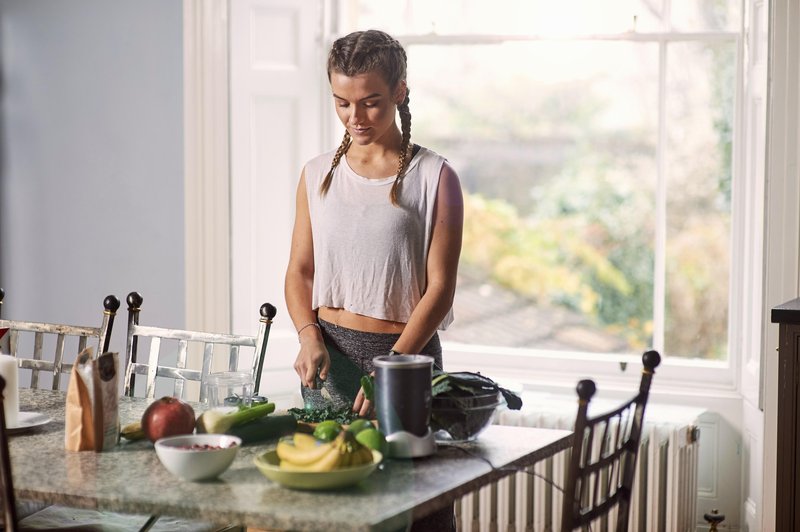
[705, 15]
[506, 17]
[555, 143]
[700, 98]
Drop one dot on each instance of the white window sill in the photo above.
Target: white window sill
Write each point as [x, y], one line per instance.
[559, 372]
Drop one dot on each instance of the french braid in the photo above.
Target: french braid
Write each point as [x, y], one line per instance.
[405, 147]
[366, 51]
[326, 183]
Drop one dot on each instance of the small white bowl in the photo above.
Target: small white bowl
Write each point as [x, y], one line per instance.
[186, 457]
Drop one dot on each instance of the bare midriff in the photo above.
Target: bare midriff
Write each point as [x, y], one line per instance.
[350, 320]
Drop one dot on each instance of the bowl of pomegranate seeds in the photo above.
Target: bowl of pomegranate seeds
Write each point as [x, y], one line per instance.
[198, 456]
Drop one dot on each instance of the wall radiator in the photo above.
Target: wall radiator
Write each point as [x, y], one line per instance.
[665, 485]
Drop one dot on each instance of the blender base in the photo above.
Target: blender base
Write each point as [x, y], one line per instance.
[404, 444]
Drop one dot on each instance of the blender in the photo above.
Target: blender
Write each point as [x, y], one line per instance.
[403, 404]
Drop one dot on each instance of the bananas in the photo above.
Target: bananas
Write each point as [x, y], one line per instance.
[132, 431]
[300, 453]
[362, 456]
[329, 461]
[304, 441]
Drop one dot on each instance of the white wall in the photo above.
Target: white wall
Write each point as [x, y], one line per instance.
[277, 85]
[91, 159]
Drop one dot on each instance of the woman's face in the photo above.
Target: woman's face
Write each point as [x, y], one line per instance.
[366, 105]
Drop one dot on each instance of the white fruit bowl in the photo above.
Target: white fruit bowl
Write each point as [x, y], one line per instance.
[198, 456]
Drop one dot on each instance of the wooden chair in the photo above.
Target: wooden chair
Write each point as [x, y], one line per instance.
[27, 336]
[603, 458]
[166, 343]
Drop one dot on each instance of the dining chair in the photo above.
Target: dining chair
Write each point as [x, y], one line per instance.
[10, 517]
[43, 350]
[169, 348]
[32, 342]
[603, 457]
[168, 359]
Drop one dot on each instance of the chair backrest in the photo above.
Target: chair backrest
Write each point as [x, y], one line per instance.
[56, 338]
[9, 503]
[169, 349]
[603, 457]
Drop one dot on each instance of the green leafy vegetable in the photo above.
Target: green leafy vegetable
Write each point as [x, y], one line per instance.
[466, 383]
[343, 415]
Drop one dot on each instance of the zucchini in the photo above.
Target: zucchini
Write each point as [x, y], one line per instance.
[264, 428]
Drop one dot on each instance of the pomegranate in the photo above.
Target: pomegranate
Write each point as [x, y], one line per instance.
[168, 416]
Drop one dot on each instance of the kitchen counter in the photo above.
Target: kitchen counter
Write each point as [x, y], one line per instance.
[131, 479]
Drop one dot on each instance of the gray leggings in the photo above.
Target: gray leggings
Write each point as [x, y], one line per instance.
[351, 353]
[361, 347]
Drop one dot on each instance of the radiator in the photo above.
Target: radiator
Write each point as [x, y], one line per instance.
[665, 484]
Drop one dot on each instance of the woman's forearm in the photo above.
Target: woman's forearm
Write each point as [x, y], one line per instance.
[426, 318]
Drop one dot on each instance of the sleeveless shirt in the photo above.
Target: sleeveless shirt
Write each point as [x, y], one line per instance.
[370, 256]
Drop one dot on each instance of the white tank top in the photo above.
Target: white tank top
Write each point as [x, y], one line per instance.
[370, 256]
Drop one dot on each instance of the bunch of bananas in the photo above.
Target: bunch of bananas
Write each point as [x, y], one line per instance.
[304, 452]
[132, 431]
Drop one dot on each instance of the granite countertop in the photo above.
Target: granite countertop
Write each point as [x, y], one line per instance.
[131, 479]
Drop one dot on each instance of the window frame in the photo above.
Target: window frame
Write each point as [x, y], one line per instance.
[539, 369]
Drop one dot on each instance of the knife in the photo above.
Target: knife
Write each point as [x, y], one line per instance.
[341, 386]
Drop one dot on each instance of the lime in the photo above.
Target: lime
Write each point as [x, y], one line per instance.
[330, 423]
[327, 430]
[360, 424]
[372, 438]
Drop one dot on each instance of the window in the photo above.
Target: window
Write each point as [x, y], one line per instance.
[594, 142]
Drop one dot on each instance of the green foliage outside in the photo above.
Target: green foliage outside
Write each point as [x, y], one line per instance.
[575, 252]
[560, 194]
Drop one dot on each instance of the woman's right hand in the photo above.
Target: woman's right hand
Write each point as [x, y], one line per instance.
[312, 359]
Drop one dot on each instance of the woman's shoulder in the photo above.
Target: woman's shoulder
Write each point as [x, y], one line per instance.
[429, 162]
[424, 152]
[430, 155]
[317, 167]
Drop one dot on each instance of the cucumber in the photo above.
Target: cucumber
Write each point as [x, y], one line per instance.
[264, 428]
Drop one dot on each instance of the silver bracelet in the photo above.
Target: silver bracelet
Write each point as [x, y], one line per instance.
[315, 324]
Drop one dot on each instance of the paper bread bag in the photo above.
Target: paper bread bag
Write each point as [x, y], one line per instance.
[92, 409]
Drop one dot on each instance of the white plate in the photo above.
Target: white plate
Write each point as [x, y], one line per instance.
[27, 421]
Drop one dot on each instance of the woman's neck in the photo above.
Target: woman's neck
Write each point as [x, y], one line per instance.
[377, 160]
[386, 147]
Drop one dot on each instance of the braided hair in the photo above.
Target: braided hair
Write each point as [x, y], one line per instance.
[367, 51]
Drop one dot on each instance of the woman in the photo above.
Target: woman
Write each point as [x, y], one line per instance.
[377, 234]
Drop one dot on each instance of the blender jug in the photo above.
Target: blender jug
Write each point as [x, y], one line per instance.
[403, 403]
